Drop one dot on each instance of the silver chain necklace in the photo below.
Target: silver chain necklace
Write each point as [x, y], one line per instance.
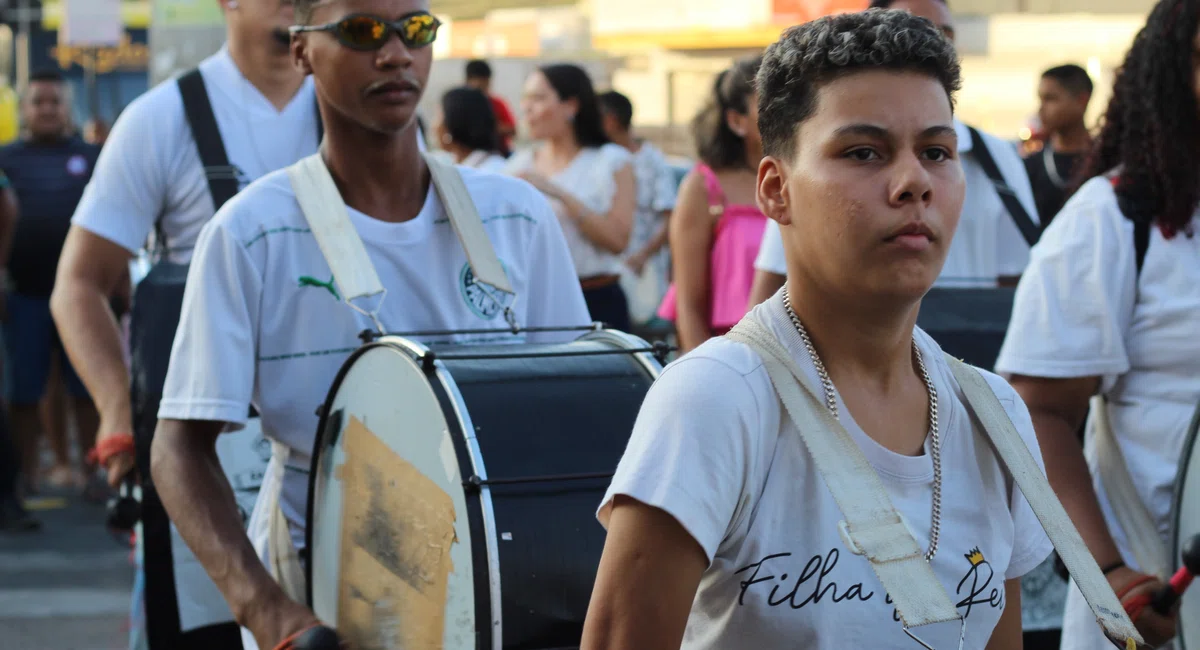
[935, 447]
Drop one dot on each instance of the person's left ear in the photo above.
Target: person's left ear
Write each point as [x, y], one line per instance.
[772, 191]
[299, 49]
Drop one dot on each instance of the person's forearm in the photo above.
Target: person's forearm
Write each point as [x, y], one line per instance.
[201, 503]
[92, 340]
[8, 225]
[657, 240]
[1068, 472]
[598, 229]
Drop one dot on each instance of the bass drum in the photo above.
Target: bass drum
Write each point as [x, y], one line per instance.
[453, 494]
[1186, 526]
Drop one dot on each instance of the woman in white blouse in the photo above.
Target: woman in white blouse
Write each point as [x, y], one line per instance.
[588, 179]
[467, 130]
[1110, 306]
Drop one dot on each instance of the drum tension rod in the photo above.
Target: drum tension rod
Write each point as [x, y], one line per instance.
[474, 482]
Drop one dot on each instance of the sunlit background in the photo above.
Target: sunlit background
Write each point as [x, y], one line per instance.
[663, 53]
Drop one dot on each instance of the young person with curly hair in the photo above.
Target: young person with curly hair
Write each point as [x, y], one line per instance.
[1108, 307]
[722, 530]
[991, 246]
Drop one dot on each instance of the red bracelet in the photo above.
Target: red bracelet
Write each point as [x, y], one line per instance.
[1133, 585]
[109, 446]
[286, 644]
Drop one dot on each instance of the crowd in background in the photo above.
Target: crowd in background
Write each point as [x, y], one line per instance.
[657, 249]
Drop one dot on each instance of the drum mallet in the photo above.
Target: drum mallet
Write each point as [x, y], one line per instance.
[317, 637]
[1163, 601]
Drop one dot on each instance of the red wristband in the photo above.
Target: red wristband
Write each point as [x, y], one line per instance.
[109, 446]
[286, 644]
[1133, 585]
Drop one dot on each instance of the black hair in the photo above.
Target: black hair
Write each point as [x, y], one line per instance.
[468, 117]
[716, 144]
[572, 82]
[1151, 129]
[478, 69]
[619, 106]
[51, 75]
[811, 55]
[887, 4]
[1071, 77]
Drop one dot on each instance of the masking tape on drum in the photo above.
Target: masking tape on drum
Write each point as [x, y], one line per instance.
[449, 458]
[397, 532]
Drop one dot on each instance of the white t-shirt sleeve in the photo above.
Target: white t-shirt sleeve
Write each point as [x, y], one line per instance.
[213, 360]
[666, 189]
[1075, 301]
[129, 186]
[1031, 545]
[770, 253]
[555, 297]
[693, 450]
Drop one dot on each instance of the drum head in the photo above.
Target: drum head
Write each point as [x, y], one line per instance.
[390, 544]
[1187, 525]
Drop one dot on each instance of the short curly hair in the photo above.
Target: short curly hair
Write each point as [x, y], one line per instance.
[809, 56]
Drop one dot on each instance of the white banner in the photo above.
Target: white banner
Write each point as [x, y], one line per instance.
[91, 23]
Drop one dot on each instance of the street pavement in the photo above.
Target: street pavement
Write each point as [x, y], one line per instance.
[67, 586]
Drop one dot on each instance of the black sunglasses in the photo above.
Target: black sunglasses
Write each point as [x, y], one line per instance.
[365, 32]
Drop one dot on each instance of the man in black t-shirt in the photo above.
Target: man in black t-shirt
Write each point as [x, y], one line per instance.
[48, 169]
[1063, 93]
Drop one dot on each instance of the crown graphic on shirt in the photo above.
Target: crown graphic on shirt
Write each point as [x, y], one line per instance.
[975, 557]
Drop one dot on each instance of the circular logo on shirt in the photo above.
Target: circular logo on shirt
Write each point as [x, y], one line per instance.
[77, 165]
[484, 301]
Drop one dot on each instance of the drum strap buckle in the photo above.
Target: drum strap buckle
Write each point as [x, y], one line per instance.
[372, 314]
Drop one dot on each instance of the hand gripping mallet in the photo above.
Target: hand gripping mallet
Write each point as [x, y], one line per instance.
[1163, 601]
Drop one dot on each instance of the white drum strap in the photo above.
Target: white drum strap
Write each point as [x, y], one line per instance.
[343, 249]
[1050, 512]
[872, 526]
[1130, 511]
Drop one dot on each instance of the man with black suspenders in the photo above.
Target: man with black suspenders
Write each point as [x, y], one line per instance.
[174, 157]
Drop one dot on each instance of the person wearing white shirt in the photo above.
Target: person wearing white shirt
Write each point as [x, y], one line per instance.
[1105, 320]
[646, 272]
[989, 248]
[722, 532]
[588, 179]
[264, 323]
[466, 129]
[151, 182]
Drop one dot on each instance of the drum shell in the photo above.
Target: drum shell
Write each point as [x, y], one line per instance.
[548, 425]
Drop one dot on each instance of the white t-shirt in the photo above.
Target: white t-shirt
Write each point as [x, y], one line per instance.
[1078, 313]
[988, 244]
[590, 178]
[262, 324]
[712, 448]
[485, 161]
[150, 168]
[656, 193]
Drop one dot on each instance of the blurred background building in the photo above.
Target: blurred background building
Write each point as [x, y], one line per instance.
[662, 53]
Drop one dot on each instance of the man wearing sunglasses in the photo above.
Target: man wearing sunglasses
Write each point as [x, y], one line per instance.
[265, 323]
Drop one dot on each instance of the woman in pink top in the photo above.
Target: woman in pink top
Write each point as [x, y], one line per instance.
[717, 227]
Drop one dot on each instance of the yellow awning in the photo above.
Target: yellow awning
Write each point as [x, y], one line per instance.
[135, 14]
[690, 39]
